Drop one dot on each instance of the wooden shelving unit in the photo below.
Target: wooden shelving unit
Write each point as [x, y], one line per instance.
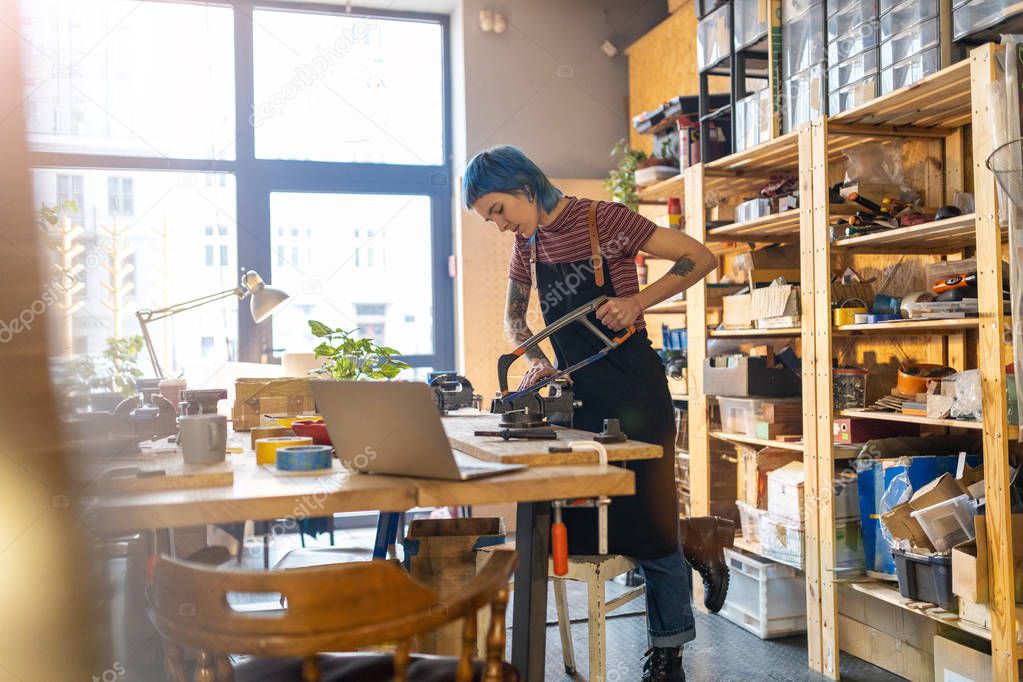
[928, 118]
[661, 191]
[757, 442]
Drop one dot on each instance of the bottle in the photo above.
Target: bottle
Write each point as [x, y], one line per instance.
[675, 213]
[641, 270]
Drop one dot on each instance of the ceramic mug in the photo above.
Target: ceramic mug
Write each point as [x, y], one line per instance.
[203, 438]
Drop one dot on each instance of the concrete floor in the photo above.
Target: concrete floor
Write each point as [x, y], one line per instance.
[722, 651]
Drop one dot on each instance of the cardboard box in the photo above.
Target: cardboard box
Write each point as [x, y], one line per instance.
[737, 311]
[980, 614]
[753, 468]
[914, 629]
[939, 490]
[785, 491]
[777, 300]
[969, 576]
[255, 397]
[902, 526]
[848, 431]
[885, 650]
[958, 662]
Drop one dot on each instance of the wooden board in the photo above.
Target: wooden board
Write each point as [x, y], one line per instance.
[178, 476]
[534, 484]
[696, 323]
[747, 170]
[909, 326]
[777, 227]
[941, 236]
[752, 333]
[663, 190]
[759, 442]
[534, 452]
[911, 419]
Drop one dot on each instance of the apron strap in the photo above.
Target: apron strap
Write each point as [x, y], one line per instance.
[595, 258]
[532, 263]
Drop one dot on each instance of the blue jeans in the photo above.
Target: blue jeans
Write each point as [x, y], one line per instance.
[669, 600]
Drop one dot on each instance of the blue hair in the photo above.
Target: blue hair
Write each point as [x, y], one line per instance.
[506, 169]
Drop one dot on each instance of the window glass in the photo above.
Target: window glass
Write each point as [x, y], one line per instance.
[129, 78]
[332, 87]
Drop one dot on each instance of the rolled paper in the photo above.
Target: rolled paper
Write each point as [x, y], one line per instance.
[266, 448]
[268, 432]
[304, 457]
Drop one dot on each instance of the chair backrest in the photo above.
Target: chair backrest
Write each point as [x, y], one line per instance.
[338, 607]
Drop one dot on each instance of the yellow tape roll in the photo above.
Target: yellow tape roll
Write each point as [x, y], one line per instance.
[259, 432]
[266, 448]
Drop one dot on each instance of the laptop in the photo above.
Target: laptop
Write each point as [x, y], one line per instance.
[393, 427]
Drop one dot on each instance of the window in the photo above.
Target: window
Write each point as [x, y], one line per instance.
[370, 308]
[120, 199]
[106, 127]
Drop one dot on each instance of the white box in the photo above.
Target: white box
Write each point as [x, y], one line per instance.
[782, 541]
[764, 597]
[785, 492]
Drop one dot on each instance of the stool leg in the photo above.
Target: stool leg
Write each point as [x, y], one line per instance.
[564, 625]
[385, 534]
[597, 626]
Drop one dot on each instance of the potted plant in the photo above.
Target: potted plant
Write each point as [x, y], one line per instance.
[347, 357]
[620, 183]
[102, 381]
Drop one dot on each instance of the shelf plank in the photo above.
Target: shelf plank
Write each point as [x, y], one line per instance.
[753, 167]
[753, 333]
[776, 227]
[941, 99]
[909, 326]
[670, 308]
[680, 396]
[744, 545]
[910, 419]
[661, 191]
[940, 236]
[760, 442]
[887, 592]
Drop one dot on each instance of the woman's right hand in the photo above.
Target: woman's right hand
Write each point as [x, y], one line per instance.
[539, 370]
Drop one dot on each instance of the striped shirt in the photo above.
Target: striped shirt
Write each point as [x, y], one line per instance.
[621, 233]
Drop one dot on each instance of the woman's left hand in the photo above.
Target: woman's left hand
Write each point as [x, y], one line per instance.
[619, 313]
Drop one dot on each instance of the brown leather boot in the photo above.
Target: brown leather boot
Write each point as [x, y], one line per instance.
[703, 541]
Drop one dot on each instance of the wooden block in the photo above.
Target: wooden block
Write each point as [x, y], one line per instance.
[791, 411]
[771, 431]
[737, 313]
[177, 477]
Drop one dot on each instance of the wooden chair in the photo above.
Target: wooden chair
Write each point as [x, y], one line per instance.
[341, 607]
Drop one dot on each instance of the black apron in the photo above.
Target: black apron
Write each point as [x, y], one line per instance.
[628, 384]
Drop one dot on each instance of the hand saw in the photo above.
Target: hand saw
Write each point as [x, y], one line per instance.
[578, 315]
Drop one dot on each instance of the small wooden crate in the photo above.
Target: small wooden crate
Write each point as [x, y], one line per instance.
[255, 397]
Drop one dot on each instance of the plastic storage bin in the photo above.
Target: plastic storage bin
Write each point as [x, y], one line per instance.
[749, 520]
[782, 541]
[804, 97]
[861, 38]
[705, 7]
[852, 95]
[740, 415]
[850, 16]
[750, 17]
[713, 33]
[909, 71]
[765, 598]
[753, 119]
[910, 41]
[925, 578]
[802, 41]
[979, 15]
[906, 15]
[948, 523]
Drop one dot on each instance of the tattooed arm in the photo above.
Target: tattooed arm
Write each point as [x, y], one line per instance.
[691, 262]
[516, 330]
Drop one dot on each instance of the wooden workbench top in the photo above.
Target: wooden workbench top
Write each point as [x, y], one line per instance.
[460, 431]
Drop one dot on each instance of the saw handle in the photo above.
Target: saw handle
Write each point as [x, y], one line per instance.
[503, 364]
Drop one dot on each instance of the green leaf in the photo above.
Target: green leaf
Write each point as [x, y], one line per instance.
[319, 329]
[325, 350]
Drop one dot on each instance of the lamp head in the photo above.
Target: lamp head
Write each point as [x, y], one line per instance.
[264, 300]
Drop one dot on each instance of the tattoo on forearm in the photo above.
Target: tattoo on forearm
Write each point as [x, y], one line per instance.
[682, 267]
[515, 328]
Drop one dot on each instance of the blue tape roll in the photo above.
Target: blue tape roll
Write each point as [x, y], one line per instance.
[304, 457]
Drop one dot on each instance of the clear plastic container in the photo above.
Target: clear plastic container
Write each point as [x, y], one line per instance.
[712, 35]
[802, 41]
[861, 38]
[740, 415]
[750, 17]
[782, 541]
[852, 95]
[749, 517]
[909, 71]
[850, 16]
[910, 41]
[790, 9]
[764, 597]
[851, 70]
[948, 523]
[885, 6]
[907, 15]
[804, 97]
[753, 119]
[979, 15]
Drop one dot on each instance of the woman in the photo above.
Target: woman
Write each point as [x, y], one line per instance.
[574, 250]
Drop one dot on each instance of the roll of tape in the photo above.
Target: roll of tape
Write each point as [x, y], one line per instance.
[304, 457]
[847, 315]
[266, 448]
[861, 318]
[259, 432]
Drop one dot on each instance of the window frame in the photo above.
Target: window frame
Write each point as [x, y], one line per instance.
[256, 179]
